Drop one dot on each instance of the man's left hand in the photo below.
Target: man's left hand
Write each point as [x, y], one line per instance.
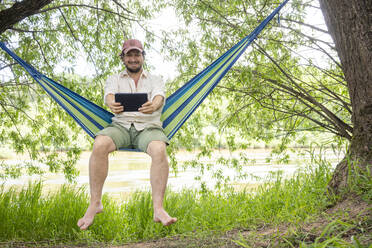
[148, 108]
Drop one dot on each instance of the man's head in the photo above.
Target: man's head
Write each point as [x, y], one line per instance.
[131, 44]
[132, 55]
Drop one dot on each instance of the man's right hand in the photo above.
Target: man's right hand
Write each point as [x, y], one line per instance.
[115, 107]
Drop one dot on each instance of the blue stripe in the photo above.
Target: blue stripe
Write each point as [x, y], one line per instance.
[97, 110]
[66, 109]
[29, 68]
[185, 103]
[181, 91]
[130, 150]
[74, 106]
[38, 76]
[178, 126]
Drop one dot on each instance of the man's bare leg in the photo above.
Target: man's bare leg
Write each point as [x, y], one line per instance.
[98, 169]
[159, 178]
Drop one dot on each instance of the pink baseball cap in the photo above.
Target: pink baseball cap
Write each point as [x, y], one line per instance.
[130, 45]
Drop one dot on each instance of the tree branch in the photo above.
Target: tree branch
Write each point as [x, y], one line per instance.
[34, 31]
[307, 25]
[8, 65]
[86, 6]
[77, 39]
[311, 38]
[19, 11]
[330, 117]
[41, 50]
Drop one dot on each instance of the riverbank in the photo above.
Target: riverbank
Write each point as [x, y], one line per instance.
[129, 171]
[282, 211]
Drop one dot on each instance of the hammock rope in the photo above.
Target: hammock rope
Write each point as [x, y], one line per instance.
[178, 107]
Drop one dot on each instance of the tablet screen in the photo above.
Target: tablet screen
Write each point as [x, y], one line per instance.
[131, 101]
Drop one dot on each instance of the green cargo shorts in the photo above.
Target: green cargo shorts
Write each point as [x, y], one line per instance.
[132, 138]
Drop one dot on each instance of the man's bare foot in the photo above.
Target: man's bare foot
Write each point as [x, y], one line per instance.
[88, 218]
[163, 217]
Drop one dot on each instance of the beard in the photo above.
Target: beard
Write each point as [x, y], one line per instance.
[133, 70]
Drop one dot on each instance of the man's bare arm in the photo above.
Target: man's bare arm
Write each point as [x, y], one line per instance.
[115, 107]
[150, 107]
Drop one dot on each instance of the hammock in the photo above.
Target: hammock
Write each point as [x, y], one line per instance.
[179, 106]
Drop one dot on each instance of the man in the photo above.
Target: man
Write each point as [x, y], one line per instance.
[141, 130]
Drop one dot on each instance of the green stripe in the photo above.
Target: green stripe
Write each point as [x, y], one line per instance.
[84, 109]
[184, 112]
[182, 99]
[93, 128]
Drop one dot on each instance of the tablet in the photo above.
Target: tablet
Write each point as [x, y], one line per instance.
[131, 101]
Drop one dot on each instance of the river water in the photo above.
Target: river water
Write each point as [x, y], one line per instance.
[129, 171]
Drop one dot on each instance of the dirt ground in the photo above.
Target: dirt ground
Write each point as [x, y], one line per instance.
[352, 210]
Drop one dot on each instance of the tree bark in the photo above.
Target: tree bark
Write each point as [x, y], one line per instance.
[19, 11]
[350, 25]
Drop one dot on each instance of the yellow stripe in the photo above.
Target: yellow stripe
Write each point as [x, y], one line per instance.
[85, 110]
[75, 112]
[182, 99]
[183, 113]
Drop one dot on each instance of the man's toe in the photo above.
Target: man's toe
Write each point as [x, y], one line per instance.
[80, 222]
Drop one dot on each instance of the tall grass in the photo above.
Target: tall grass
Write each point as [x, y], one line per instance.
[27, 215]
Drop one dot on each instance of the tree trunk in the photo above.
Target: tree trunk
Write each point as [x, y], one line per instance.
[19, 11]
[350, 25]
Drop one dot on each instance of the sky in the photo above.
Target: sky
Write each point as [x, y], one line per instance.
[167, 20]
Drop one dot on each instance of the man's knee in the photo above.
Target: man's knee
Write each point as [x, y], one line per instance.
[103, 144]
[156, 148]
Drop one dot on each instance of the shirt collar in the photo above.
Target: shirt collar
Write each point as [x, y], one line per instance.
[125, 74]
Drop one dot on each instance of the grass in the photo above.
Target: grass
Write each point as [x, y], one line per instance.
[28, 216]
[341, 232]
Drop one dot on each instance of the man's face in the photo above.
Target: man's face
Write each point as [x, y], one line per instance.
[133, 61]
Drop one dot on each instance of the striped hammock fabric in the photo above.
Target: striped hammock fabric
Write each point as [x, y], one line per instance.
[179, 106]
